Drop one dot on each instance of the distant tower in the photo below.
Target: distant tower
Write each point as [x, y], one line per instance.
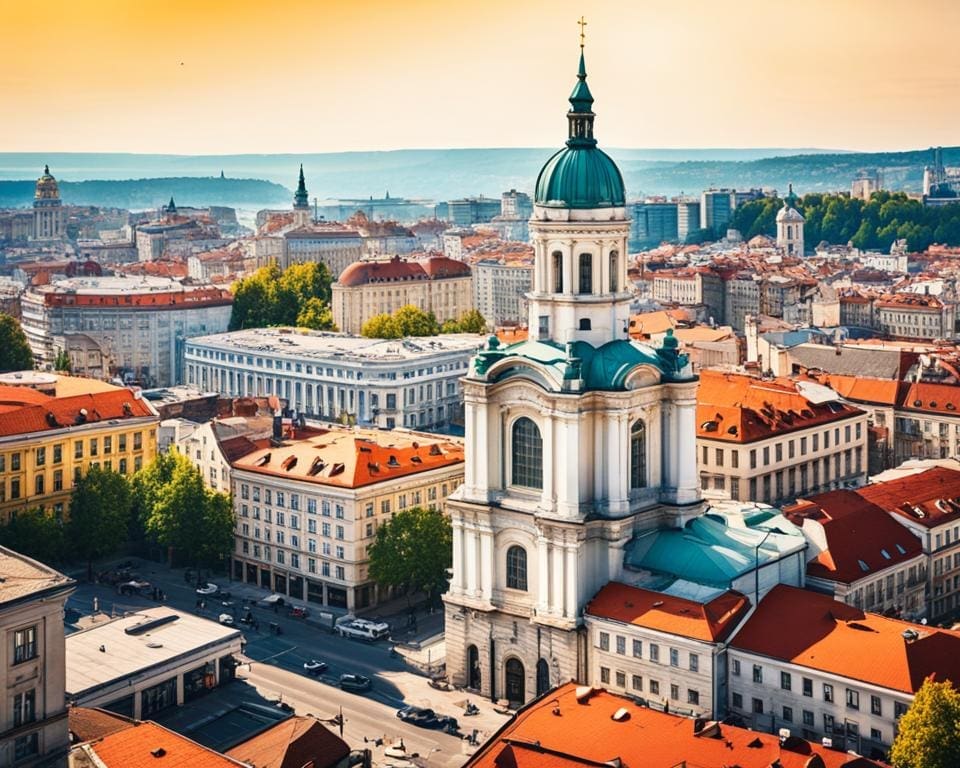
[47, 208]
[301, 203]
[170, 209]
[790, 226]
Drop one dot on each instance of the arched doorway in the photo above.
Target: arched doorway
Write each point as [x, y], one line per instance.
[543, 677]
[515, 682]
[473, 668]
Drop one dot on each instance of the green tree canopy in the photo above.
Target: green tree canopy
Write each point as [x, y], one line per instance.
[99, 514]
[35, 534]
[381, 327]
[929, 732]
[469, 322]
[15, 354]
[413, 551]
[316, 315]
[62, 361]
[271, 296]
[180, 512]
[413, 321]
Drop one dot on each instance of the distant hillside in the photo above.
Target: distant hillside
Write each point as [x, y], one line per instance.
[437, 174]
[139, 194]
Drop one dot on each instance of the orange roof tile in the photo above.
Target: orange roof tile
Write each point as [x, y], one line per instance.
[87, 723]
[558, 730]
[22, 413]
[863, 390]
[710, 622]
[148, 745]
[818, 632]
[929, 498]
[932, 398]
[294, 743]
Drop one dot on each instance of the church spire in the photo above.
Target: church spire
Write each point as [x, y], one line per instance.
[300, 199]
[580, 117]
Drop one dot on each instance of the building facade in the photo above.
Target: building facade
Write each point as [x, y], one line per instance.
[790, 227]
[368, 288]
[500, 289]
[308, 504]
[575, 439]
[33, 712]
[378, 382]
[48, 218]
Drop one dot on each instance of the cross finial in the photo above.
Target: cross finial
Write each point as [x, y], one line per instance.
[583, 34]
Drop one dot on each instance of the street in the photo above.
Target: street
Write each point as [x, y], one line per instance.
[274, 666]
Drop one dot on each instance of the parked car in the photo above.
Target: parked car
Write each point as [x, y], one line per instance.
[426, 718]
[299, 613]
[208, 589]
[226, 619]
[273, 599]
[314, 667]
[355, 683]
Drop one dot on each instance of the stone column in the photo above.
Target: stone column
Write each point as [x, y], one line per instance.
[486, 564]
[457, 583]
[471, 561]
[543, 574]
[688, 487]
[556, 579]
[548, 452]
[570, 573]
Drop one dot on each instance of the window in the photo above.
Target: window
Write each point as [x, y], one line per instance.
[807, 686]
[875, 733]
[758, 706]
[786, 682]
[24, 644]
[637, 683]
[738, 700]
[339, 573]
[655, 687]
[24, 708]
[57, 455]
[875, 706]
[654, 652]
[827, 692]
[621, 645]
[736, 667]
[638, 648]
[527, 454]
[788, 714]
[674, 657]
[586, 273]
[674, 692]
[137, 441]
[41, 456]
[853, 699]
[621, 679]
[693, 697]
[25, 746]
[604, 641]
[77, 449]
[757, 673]
[605, 675]
[808, 717]
[694, 662]
[828, 723]
[121, 442]
[638, 454]
[517, 568]
[899, 709]
[108, 444]
[557, 272]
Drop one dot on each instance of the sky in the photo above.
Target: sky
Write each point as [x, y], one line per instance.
[248, 76]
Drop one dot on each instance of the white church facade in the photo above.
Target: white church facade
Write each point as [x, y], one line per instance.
[578, 440]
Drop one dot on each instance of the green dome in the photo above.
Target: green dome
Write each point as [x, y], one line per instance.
[580, 177]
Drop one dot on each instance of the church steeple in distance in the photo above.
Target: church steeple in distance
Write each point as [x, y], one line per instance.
[300, 199]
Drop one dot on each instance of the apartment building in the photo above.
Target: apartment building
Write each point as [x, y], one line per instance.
[809, 663]
[55, 427]
[336, 246]
[308, 506]
[774, 439]
[916, 316]
[500, 289]
[666, 650]
[367, 288]
[33, 712]
[861, 556]
[383, 382]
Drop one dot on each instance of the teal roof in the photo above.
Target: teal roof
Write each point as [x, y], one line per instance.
[580, 177]
[581, 100]
[300, 199]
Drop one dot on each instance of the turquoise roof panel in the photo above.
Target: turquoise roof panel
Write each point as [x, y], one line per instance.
[580, 177]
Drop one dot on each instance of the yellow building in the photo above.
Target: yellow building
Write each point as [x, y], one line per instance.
[53, 428]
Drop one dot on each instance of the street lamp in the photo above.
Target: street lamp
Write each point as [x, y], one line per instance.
[756, 568]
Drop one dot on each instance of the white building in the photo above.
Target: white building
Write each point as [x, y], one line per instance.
[790, 227]
[577, 438]
[500, 289]
[387, 383]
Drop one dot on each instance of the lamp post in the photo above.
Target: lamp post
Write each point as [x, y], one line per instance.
[756, 568]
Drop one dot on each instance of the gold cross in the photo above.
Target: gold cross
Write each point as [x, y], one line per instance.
[583, 35]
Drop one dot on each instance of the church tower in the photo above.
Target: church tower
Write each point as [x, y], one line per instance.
[790, 226]
[301, 203]
[47, 208]
[576, 439]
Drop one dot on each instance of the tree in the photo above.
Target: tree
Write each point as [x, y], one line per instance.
[15, 354]
[469, 322]
[413, 321]
[413, 551]
[381, 327]
[35, 534]
[62, 361]
[929, 732]
[180, 513]
[271, 296]
[316, 315]
[99, 514]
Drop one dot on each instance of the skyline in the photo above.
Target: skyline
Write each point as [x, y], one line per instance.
[106, 75]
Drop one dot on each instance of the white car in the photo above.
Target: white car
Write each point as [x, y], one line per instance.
[360, 629]
[226, 618]
[208, 589]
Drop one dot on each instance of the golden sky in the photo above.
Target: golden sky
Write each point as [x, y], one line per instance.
[265, 76]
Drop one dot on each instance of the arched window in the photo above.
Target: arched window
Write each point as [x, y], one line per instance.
[638, 454]
[586, 273]
[543, 677]
[614, 275]
[515, 682]
[557, 272]
[473, 668]
[527, 452]
[517, 568]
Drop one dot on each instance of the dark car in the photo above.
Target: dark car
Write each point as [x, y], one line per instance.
[355, 683]
[427, 718]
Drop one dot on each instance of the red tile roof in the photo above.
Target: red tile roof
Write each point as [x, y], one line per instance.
[857, 531]
[818, 632]
[401, 270]
[557, 731]
[293, 743]
[929, 498]
[710, 622]
[737, 408]
[148, 745]
[87, 723]
[932, 398]
[863, 390]
[23, 412]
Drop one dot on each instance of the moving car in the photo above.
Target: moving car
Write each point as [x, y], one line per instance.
[361, 629]
[427, 718]
[208, 589]
[314, 667]
[273, 599]
[226, 618]
[355, 683]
